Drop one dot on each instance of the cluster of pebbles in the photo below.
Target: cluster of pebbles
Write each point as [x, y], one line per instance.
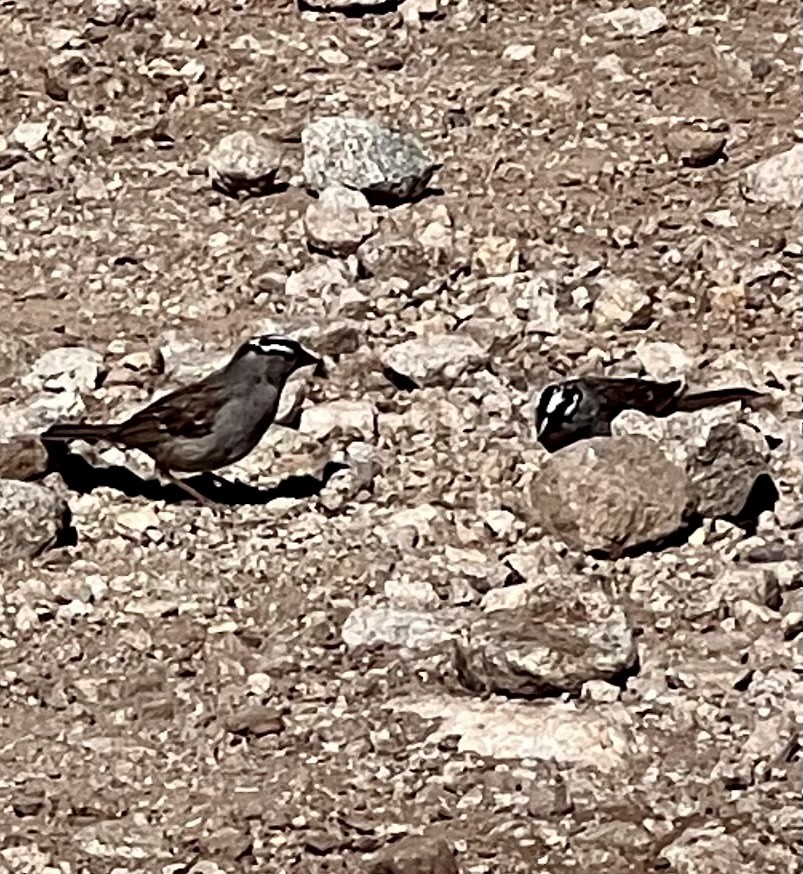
[409, 641]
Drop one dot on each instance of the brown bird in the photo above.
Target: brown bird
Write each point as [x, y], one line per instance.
[208, 424]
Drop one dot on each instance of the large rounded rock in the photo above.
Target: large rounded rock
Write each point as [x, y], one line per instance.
[610, 495]
[32, 519]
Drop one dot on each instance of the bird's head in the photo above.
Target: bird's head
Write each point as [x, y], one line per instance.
[559, 418]
[275, 354]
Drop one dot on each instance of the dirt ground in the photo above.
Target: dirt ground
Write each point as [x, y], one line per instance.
[177, 694]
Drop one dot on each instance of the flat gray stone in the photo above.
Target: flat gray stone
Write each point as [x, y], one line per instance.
[363, 154]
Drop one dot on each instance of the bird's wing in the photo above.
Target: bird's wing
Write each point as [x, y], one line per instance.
[187, 412]
[698, 400]
[631, 393]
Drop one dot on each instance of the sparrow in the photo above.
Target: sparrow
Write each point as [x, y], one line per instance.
[577, 409]
[210, 423]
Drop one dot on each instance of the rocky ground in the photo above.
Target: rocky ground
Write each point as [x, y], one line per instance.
[409, 640]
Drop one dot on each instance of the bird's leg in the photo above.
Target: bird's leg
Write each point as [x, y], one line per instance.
[185, 487]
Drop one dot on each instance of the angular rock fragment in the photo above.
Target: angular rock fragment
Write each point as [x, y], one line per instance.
[23, 458]
[694, 147]
[622, 303]
[416, 855]
[630, 21]
[433, 360]
[256, 720]
[729, 475]
[363, 154]
[30, 135]
[553, 644]
[414, 629]
[106, 13]
[320, 420]
[32, 519]
[598, 736]
[66, 369]
[777, 179]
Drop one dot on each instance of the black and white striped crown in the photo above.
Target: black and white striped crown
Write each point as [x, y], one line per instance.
[276, 344]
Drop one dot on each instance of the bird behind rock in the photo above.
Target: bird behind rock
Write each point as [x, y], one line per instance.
[577, 409]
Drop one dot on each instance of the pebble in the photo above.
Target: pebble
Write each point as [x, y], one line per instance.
[621, 303]
[629, 21]
[339, 222]
[244, 162]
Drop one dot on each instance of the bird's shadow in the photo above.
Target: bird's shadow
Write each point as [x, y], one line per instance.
[82, 477]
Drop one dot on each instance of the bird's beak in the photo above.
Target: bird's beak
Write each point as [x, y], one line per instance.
[308, 359]
[320, 369]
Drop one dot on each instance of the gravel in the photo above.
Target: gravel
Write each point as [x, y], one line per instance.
[271, 684]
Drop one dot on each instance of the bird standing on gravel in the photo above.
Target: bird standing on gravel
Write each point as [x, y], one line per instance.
[577, 409]
[210, 423]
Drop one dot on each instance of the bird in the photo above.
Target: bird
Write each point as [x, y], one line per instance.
[576, 409]
[210, 423]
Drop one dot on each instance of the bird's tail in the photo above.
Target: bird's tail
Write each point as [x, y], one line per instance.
[699, 400]
[63, 433]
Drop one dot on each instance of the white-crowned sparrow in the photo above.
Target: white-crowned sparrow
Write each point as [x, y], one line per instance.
[576, 409]
[210, 423]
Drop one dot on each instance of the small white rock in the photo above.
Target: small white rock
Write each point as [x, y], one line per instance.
[339, 221]
[319, 421]
[417, 593]
[30, 135]
[138, 521]
[630, 21]
[622, 303]
[518, 52]
[600, 692]
[662, 360]
[66, 369]
[243, 161]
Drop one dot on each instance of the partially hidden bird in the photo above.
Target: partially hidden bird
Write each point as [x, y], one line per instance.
[207, 424]
[576, 409]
